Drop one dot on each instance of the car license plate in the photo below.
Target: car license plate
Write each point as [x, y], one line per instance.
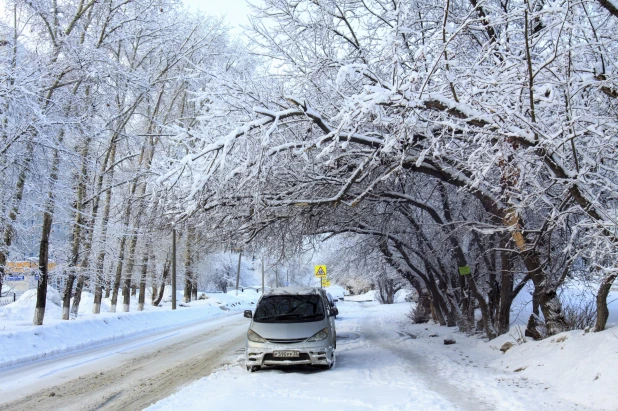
[285, 353]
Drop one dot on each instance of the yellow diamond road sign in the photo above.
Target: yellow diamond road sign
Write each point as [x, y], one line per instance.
[319, 270]
[325, 282]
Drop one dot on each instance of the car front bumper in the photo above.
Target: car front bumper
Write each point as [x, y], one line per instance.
[258, 354]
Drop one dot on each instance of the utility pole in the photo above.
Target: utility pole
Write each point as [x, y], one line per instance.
[262, 275]
[276, 278]
[173, 269]
[238, 271]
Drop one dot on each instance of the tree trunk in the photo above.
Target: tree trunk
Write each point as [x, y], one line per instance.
[142, 280]
[506, 289]
[41, 296]
[548, 300]
[422, 312]
[602, 311]
[166, 272]
[118, 277]
[126, 289]
[189, 267]
[41, 299]
[98, 274]
[77, 298]
[14, 212]
[67, 294]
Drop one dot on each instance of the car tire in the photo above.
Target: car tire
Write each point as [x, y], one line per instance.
[253, 368]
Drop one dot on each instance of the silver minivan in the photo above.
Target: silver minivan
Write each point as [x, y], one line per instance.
[291, 326]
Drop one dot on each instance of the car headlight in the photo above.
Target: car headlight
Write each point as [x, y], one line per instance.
[255, 337]
[319, 336]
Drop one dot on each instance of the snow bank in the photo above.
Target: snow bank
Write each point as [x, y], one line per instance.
[368, 296]
[581, 367]
[22, 342]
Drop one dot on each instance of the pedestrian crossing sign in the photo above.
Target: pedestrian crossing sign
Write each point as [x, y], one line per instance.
[319, 270]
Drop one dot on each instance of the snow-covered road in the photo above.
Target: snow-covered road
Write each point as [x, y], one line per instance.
[383, 363]
[131, 374]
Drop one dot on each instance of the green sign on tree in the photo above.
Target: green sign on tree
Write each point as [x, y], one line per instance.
[465, 270]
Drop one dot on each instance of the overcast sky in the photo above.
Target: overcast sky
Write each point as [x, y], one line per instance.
[235, 11]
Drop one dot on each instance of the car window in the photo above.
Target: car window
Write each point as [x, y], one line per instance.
[290, 308]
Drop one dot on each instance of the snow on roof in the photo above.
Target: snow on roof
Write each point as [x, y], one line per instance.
[293, 290]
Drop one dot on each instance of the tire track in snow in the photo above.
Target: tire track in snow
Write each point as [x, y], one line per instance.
[423, 369]
[141, 380]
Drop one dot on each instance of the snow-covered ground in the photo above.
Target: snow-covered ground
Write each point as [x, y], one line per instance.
[22, 342]
[385, 362]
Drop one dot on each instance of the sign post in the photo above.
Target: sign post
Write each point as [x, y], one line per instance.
[173, 269]
[320, 272]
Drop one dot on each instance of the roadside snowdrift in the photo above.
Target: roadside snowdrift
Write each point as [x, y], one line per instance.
[22, 342]
[580, 367]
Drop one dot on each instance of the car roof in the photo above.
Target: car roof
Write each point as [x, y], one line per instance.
[294, 290]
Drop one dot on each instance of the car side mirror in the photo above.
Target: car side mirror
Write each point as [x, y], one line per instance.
[248, 314]
[335, 311]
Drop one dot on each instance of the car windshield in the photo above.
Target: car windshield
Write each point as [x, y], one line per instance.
[290, 308]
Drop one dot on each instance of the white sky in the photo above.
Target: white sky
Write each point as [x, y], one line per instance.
[234, 11]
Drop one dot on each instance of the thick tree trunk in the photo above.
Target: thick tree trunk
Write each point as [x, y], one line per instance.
[602, 311]
[548, 300]
[422, 313]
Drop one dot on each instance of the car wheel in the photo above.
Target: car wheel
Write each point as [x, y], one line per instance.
[253, 368]
[332, 364]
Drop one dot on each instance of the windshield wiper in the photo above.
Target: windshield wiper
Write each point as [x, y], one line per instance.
[286, 316]
[306, 317]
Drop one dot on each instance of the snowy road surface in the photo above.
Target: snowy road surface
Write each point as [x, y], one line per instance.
[128, 375]
[383, 363]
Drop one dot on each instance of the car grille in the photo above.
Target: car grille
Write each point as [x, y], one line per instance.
[301, 357]
[285, 341]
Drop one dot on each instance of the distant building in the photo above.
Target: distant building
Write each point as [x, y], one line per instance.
[23, 275]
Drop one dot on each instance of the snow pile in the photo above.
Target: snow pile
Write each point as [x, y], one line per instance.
[22, 342]
[368, 296]
[23, 308]
[580, 366]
